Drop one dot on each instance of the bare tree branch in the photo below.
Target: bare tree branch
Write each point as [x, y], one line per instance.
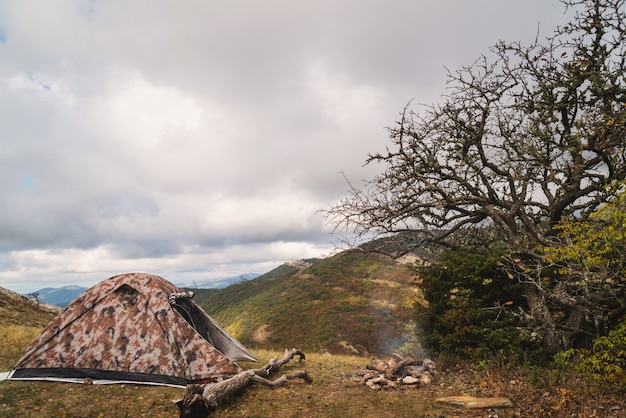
[525, 138]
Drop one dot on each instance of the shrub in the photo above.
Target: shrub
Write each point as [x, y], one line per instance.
[471, 307]
[605, 361]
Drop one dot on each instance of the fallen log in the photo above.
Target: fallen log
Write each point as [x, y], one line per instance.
[395, 366]
[199, 401]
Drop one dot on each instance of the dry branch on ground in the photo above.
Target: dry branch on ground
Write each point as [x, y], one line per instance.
[200, 400]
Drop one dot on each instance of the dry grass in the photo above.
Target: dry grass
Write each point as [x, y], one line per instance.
[333, 393]
[13, 341]
[48, 399]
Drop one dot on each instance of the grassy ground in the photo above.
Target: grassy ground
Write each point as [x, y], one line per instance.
[334, 393]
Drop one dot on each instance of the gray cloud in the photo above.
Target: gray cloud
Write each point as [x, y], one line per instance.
[199, 139]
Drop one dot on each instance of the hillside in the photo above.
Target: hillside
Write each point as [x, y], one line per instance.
[21, 320]
[16, 309]
[349, 303]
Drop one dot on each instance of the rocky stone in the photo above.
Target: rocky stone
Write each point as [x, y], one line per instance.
[425, 378]
[471, 402]
[372, 385]
[410, 380]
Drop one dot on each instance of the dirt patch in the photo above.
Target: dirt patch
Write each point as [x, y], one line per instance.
[408, 259]
[262, 334]
[383, 304]
[387, 282]
[348, 347]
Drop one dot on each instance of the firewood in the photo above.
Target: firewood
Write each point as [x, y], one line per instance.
[369, 376]
[378, 365]
[425, 378]
[372, 385]
[380, 380]
[395, 366]
[397, 371]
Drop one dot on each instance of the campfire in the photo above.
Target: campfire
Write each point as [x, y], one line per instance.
[395, 372]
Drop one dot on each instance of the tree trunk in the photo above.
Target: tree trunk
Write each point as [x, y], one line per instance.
[556, 336]
[199, 401]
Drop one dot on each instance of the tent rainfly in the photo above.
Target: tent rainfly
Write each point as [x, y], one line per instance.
[135, 328]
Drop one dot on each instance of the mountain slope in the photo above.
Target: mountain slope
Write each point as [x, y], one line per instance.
[16, 309]
[351, 302]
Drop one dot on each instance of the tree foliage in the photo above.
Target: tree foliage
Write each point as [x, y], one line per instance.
[592, 264]
[526, 137]
[472, 307]
[605, 361]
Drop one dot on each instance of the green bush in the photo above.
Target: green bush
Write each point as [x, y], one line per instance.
[605, 361]
[471, 309]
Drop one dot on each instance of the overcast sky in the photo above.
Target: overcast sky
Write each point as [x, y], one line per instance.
[199, 139]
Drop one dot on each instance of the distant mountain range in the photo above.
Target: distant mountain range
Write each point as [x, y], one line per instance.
[62, 296]
[219, 283]
[58, 296]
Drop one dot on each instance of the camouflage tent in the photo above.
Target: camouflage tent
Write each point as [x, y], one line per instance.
[133, 328]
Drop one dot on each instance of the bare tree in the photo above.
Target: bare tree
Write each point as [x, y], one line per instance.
[34, 295]
[525, 138]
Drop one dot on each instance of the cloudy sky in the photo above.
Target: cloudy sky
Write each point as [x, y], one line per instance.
[198, 139]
